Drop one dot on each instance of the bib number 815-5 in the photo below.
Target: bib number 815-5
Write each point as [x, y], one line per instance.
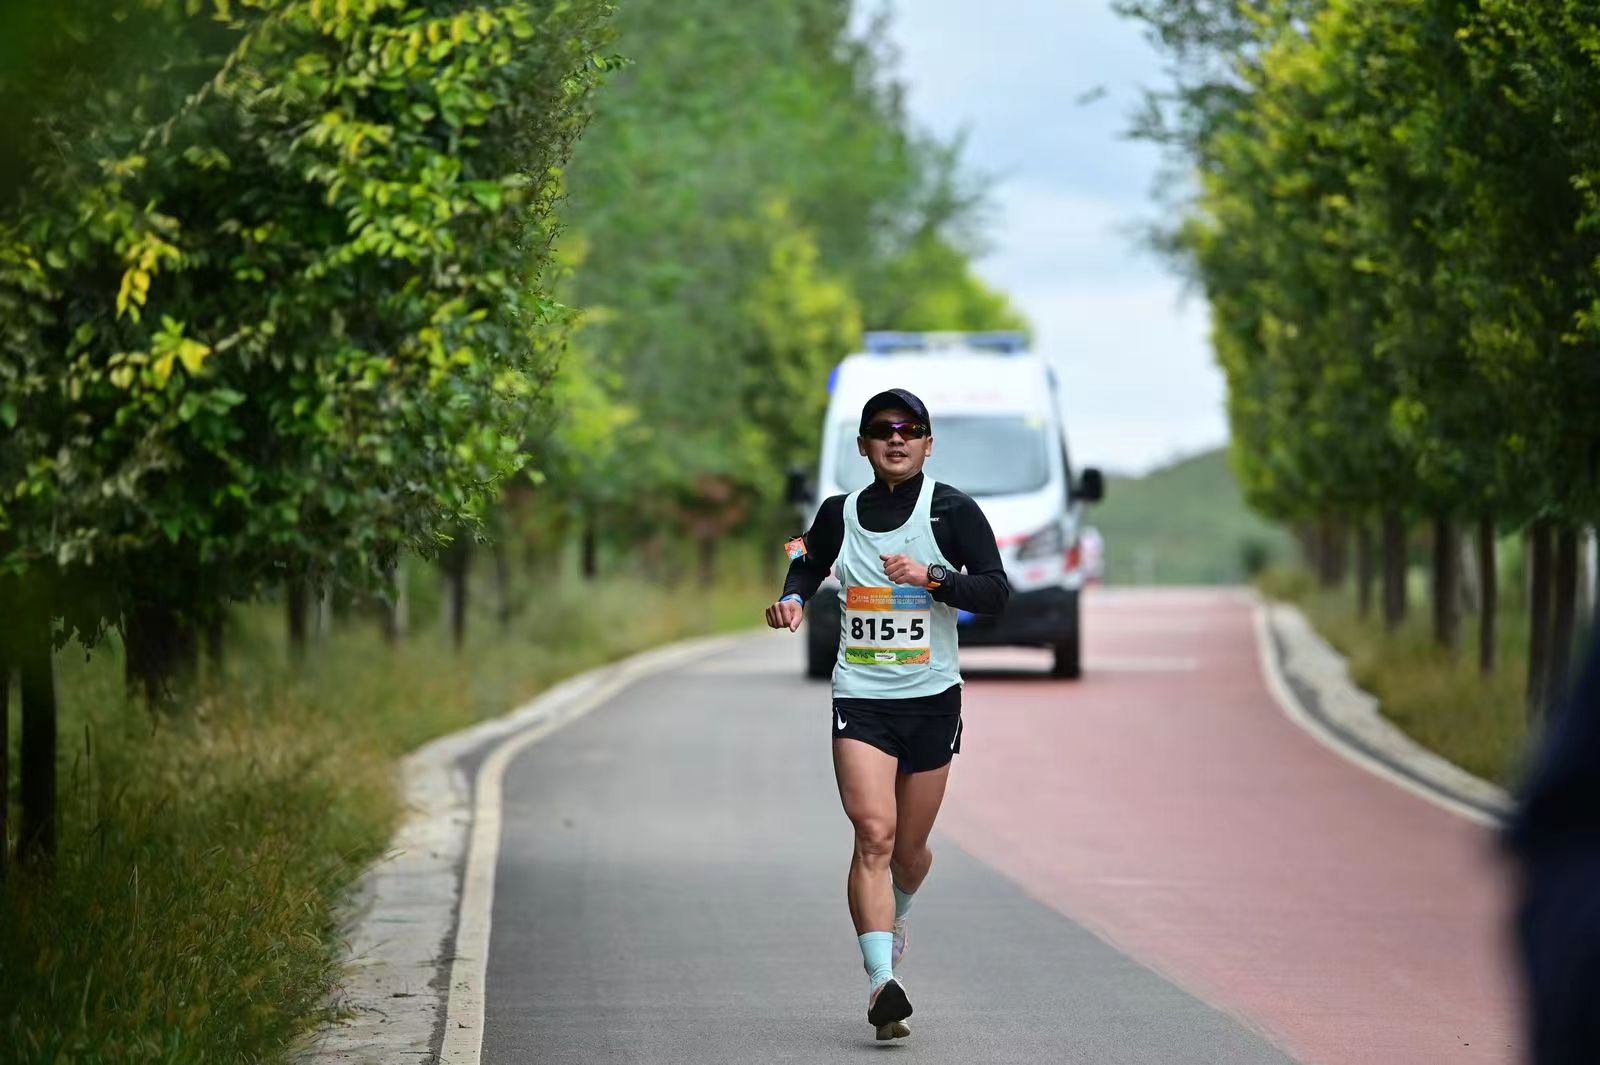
[884, 629]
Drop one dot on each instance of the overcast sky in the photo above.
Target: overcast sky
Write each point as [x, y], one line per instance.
[1140, 383]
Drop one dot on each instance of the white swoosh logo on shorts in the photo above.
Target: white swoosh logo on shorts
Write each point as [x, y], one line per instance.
[841, 719]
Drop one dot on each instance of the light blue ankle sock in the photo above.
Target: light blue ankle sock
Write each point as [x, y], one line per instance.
[877, 953]
[902, 902]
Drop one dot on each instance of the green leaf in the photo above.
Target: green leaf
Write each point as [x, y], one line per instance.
[487, 193]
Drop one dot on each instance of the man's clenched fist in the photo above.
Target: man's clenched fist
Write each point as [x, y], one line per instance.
[785, 615]
[903, 569]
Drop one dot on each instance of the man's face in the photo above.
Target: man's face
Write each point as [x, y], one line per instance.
[900, 456]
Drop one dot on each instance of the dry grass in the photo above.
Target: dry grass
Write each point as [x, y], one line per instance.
[1440, 700]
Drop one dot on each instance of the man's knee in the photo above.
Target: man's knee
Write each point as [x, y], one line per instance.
[875, 838]
[911, 856]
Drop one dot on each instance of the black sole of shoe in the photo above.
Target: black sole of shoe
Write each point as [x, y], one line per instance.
[891, 1005]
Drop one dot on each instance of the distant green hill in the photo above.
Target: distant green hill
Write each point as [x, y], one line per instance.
[1183, 524]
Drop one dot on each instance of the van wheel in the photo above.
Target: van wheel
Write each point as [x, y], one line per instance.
[819, 661]
[1066, 664]
[822, 636]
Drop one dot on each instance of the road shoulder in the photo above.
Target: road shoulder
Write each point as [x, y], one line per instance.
[1311, 682]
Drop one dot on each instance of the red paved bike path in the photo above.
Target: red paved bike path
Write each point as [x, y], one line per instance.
[1167, 802]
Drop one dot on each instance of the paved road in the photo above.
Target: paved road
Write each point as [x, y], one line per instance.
[671, 877]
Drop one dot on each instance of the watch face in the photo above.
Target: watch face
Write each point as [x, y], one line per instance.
[937, 572]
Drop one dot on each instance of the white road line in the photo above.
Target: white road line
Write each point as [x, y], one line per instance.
[1291, 706]
[464, 1013]
[1141, 664]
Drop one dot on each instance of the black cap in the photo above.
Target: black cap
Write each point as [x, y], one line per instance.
[892, 399]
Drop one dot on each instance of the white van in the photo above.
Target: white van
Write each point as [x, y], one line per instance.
[999, 438]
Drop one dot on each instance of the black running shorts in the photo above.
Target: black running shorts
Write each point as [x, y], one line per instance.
[920, 741]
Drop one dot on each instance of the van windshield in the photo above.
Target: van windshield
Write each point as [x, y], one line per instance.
[983, 455]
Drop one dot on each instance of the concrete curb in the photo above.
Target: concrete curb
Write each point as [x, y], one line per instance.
[1311, 681]
[400, 921]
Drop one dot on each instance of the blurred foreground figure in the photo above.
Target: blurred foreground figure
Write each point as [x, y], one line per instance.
[1555, 837]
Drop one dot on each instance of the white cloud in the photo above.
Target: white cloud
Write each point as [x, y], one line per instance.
[1136, 365]
[1047, 232]
[1138, 385]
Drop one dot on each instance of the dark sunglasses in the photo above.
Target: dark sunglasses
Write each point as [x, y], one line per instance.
[884, 430]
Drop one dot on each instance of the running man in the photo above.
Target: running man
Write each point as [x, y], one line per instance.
[900, 545]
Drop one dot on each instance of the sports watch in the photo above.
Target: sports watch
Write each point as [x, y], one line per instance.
[937, 575]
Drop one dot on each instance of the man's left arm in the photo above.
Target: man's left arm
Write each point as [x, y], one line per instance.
[983, 588]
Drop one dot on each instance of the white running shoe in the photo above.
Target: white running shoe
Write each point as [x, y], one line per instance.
[887, 1004]
[900, 924]
[893, 1030]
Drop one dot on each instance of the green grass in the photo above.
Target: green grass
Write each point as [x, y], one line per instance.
[202, 855]
[1186, 523]
[1439, 700]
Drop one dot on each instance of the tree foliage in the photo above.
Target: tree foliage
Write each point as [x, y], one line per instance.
[271, 285]
[749, 197]
[1393, 215]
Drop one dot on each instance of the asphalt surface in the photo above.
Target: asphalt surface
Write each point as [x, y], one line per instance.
[671, 889]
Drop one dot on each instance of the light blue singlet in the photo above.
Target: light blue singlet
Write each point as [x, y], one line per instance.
[895, 641]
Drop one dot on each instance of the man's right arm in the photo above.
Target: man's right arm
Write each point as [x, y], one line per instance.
[823, 541]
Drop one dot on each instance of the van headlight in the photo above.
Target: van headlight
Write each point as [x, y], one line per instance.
[1042, 544]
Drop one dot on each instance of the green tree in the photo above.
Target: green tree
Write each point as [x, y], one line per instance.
[1394, 224]
[748, 197]
[271, 292]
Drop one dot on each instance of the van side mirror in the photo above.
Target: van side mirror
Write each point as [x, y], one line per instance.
[797, 488]
[1091, 486]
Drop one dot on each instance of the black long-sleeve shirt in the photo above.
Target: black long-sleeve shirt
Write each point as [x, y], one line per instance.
[959, 528]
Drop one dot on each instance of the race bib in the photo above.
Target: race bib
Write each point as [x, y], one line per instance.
[887, 626]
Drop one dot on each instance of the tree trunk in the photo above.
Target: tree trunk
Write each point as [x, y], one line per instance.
[1330, 553]
[396, 609]
[38, 838]
[5, 758]
[1394, 569]
[591, 546]
[1469, 592]
[1365, 567]
[1320, 552]
[1538, 617]
[216, 643]
[708, 561]
[1339, 550]
[503, 606]
[1445, 585]
[1488, 595]
[294, 602]
[651, 555]
[458, 561]
[325, 612]
[162, 651]
[1310, 545]
[1563, 611]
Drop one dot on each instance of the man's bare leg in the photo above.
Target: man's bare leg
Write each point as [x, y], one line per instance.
[917, 800]
[866, 779]
[918, 797]
[867, 785]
